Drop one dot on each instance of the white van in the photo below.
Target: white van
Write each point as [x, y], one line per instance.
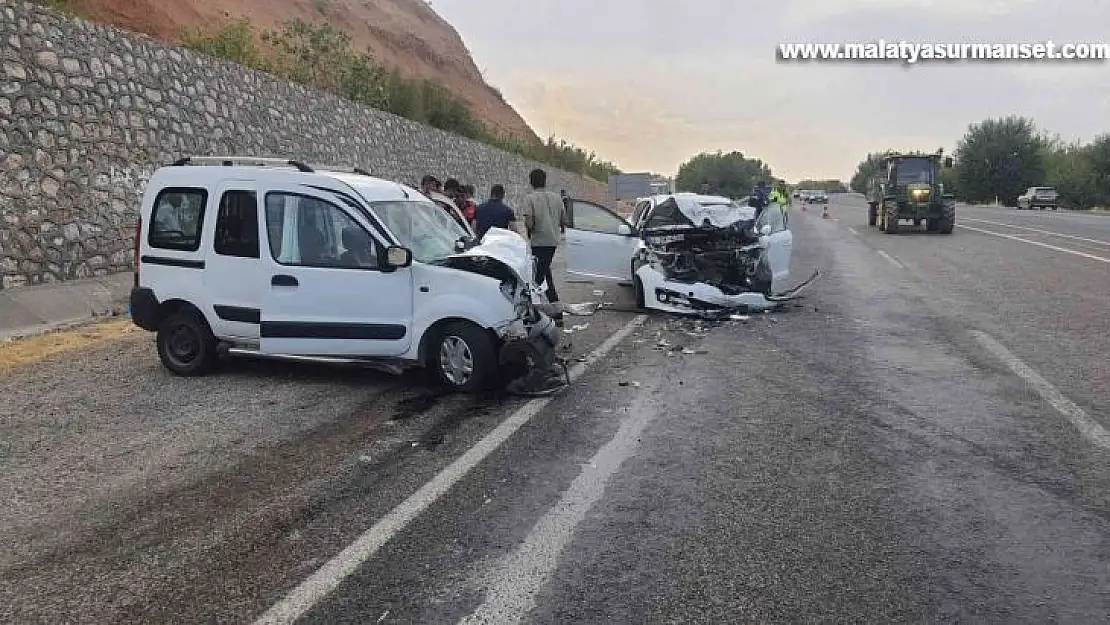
[273, 258]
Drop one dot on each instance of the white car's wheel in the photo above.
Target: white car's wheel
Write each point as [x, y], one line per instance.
[463, 357]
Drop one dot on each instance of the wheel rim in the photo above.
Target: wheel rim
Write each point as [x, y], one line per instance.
[183, 346]
[456, 361]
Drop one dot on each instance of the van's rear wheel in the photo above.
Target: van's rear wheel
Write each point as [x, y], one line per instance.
[186, 344]
[463, 357]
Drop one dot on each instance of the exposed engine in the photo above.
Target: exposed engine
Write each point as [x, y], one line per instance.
[729, 257]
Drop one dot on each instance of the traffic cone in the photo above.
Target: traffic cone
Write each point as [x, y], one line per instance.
[825, 213]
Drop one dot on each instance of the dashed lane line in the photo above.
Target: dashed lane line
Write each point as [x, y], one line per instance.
[1088, 427]
[892, 259]
[327, 578]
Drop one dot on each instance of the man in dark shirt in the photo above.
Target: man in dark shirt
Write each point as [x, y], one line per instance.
[494, 213]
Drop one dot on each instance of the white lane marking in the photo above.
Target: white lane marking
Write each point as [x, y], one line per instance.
[515, 580]
[891, 259]
[1055, 234]
[853, 231]
[328, 577]
[1038, 244]
[1086, 426]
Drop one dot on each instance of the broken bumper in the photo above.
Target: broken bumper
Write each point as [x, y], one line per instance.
[528, 356]
[699, 298]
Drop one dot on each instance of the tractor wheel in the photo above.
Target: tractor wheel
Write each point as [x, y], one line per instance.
[947, 222]
[890, 222]
[872, 213]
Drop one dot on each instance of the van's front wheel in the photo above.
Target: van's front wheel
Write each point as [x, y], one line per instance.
[463, 357]
[186, 345]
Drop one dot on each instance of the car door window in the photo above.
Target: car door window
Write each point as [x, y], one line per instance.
[772, 216]
[593, 218]
[177, 219]
[237, 225]
[311, 232]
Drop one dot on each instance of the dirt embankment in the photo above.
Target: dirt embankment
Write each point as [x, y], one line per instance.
[406, 34]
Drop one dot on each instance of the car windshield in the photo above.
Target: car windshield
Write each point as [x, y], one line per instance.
[914, 170]
[422, 227]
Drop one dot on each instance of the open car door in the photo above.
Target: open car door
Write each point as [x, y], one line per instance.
[779, 241]
[600, 243]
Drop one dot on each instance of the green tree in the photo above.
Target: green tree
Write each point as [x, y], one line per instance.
[730, 174]
[829, 186]
[867, 170]
[1097, 157]
[1072, 169]
[1000, 158]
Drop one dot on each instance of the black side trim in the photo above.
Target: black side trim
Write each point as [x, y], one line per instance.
[172, 262]
[308, 330]
[238, 313]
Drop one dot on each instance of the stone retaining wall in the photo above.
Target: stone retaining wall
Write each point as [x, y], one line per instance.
[88, 112]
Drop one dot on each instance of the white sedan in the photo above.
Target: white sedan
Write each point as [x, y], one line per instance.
[686, 253]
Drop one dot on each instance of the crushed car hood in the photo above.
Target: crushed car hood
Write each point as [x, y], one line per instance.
[720, 215]
[504, 246]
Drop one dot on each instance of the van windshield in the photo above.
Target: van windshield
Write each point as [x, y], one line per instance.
[422, 227]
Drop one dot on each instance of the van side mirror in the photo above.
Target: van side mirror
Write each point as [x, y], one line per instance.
[398, 257]
[948, 162]
[765, 229]
[624, 230]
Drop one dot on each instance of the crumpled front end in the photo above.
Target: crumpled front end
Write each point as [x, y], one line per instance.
[530, 340]
[706, 269]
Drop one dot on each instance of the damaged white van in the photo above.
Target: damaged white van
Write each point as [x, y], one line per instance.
[687, 253]
[248, 256]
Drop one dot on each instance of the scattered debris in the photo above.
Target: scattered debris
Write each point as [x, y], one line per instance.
[585, 309]
[688, 351]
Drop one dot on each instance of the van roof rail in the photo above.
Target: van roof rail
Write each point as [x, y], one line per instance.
[229, 161]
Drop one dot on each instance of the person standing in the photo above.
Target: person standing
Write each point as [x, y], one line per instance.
[494, 212]
[466, 203]
[568, 206]
[544, 218]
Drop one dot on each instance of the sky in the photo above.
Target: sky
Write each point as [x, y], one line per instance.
[649, 83]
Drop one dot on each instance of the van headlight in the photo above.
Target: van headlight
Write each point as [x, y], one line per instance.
[517, 294]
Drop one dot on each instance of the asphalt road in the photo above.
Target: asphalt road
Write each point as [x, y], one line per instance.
[921, 439]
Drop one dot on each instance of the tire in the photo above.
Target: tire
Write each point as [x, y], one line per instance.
[463, 357]
[186, 345]
[947, 222]
[638, 285]
[872, 214]
[890, 226]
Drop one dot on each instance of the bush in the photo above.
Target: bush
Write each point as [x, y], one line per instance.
[322, 56]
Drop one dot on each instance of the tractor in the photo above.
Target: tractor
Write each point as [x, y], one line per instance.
[907, 189]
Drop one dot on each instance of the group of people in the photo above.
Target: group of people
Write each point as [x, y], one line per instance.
[543, 217]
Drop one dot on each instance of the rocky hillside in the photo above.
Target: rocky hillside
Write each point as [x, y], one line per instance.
[406, 34]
